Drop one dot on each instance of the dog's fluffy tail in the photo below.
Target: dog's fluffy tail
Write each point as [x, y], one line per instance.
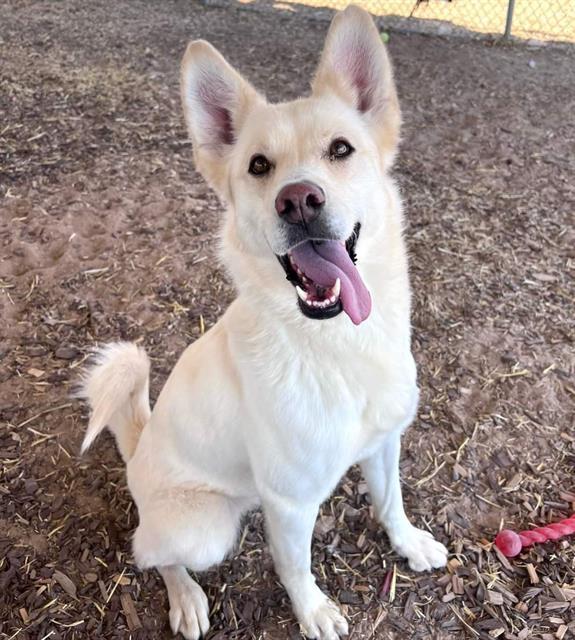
[116, 387]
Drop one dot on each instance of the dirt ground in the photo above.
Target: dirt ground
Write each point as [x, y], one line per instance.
[552, 20]
[107, 233]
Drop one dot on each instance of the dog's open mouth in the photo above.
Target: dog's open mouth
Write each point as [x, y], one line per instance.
[326, 279]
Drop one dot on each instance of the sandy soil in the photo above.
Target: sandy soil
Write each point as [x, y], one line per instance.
[552, 20]
[106, 232]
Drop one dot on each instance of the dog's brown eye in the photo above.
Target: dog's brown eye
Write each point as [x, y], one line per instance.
[340, 148]
[259, 165]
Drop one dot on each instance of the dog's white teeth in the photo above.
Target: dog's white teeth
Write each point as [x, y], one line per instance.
[330, 299]
[336, 288]
[304, 297]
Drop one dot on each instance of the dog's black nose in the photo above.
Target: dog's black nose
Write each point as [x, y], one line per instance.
[300, 202]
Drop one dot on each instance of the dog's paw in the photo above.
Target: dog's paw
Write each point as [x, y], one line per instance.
[422, 550]
[189, 611]
[324, 622]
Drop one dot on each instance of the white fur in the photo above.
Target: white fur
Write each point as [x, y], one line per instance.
[271, 408]
[116, 387]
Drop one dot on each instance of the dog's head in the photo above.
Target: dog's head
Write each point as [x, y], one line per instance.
[304, 180]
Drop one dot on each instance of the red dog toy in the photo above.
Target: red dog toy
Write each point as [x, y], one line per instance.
[511, 543]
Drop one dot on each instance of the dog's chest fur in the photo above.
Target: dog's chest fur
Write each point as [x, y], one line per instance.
[321, 402]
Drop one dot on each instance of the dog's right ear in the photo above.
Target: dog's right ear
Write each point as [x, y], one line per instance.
[216, 100]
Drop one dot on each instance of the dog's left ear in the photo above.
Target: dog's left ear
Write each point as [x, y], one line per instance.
[355, 66]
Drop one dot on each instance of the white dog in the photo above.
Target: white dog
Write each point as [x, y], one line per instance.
[309, 371]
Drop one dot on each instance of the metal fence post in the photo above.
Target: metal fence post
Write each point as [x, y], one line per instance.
[509, 20]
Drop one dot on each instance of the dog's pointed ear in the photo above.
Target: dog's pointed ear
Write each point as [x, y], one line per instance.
[216, 100]
[355, 66]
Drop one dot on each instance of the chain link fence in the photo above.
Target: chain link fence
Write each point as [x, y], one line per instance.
[545, 20]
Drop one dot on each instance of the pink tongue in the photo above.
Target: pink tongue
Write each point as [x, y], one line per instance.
[325, 262]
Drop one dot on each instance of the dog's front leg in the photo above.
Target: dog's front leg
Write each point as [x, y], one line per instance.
[189, 607]
[381, 472]
[290, 529]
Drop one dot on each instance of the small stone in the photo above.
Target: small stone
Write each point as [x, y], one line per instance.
[66, 353]
[31, 486]
[36, 350]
